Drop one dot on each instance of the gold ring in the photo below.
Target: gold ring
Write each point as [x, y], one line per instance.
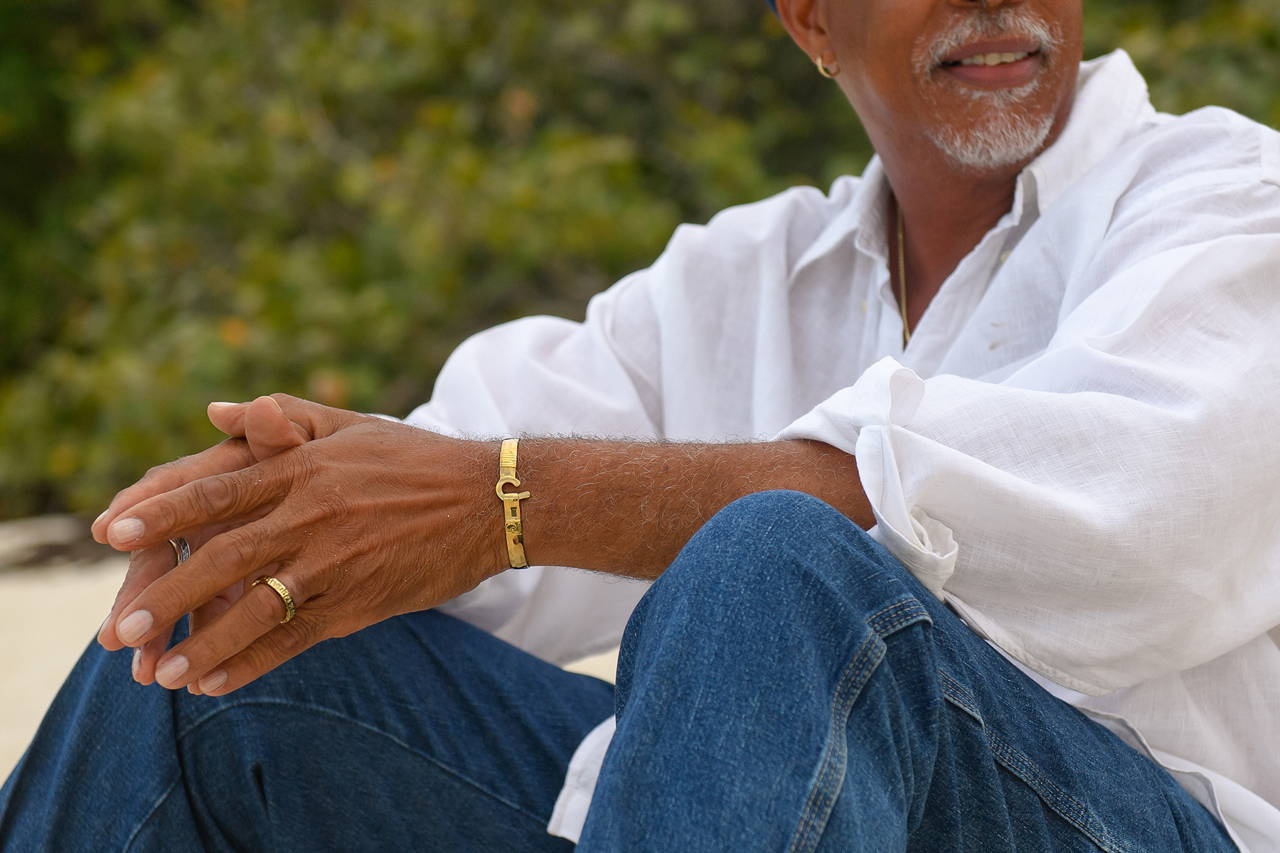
[181, 549]
[283, 592]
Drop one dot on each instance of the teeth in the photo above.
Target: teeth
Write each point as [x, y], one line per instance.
[994, 58]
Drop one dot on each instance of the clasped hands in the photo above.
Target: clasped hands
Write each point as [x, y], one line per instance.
[360, 518]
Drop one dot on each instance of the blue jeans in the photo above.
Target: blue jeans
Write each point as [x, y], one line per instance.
[785, 685]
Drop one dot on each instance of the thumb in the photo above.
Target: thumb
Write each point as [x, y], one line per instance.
[313, 420]
[268, 431]
[228, 417]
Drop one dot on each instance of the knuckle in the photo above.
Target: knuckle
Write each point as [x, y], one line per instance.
[299, 468]
[166, 601]
[164, 515]
[333, 506]
[212, 497]
[256, 660]
[237, 447]
[306, 462]
[304, 634]
[208, 648]
[156, 471]
[236, 547]
[278, 646]
[265, 606]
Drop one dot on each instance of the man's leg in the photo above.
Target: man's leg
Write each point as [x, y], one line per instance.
[419, 733]
[788, 685]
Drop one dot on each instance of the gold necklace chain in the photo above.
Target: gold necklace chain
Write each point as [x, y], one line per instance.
[902, 276]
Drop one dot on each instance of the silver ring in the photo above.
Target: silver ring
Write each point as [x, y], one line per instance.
[181, 549]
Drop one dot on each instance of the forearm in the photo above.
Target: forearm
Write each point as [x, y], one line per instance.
[628, 508]
[361, 519]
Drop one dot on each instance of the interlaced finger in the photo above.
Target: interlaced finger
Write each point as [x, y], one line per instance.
[207, 613]
[262, 423]
[230, 455]
[257, 613]
[272, 649]
[145, 567]
[220, 498]
[229, 557]
[145, 657]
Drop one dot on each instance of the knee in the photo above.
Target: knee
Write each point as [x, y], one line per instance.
[100, 683]
[778, 534]
[775, 576]
[781, 551]
[768, 512]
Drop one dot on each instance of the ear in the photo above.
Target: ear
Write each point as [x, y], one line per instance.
[805, 21]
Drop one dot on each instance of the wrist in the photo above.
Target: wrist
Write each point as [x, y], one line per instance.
[459, 473]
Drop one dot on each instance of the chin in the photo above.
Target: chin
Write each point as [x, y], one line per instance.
[997, 129]
[1004, 140]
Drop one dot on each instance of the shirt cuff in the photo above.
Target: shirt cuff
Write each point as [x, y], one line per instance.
[863, 420]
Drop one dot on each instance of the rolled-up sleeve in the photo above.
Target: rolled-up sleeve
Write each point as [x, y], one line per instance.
[1106, 513]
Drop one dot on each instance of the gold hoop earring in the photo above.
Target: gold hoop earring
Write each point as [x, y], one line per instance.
[829, 73]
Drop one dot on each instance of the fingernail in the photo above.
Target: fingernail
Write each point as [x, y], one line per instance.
[137, 662]
[101, 516]
[222, 405]
[105, 620]
[171, 670]
[126, 529]
[133, 626]
[213, 681]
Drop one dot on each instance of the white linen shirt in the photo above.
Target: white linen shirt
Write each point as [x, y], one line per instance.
[1075, 451]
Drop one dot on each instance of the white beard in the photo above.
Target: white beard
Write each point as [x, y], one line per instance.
[1007, 137]
[1011, 132]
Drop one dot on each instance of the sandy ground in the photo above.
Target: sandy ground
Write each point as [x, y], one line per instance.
[56, 586]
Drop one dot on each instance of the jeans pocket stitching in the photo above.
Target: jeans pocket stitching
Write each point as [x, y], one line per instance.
[339, 715]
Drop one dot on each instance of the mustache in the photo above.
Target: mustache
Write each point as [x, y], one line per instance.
[1002, 23]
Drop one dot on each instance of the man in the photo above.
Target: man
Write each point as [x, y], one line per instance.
[1031, 351]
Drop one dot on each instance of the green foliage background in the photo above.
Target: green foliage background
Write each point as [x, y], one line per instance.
[212, 199]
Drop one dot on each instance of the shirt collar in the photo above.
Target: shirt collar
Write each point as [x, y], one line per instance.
[863, 216]
[1111, 102]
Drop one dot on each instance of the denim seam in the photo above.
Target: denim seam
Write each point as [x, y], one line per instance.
[359, 724]
[1066, 806]
[1020, 765]
[886, 621]
[821, 797]
[959, 695]
[831, 766]
[146, 818]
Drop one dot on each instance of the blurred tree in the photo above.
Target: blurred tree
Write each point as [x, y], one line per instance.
[212, 200]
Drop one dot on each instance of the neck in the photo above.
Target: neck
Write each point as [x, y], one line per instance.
[946, 214]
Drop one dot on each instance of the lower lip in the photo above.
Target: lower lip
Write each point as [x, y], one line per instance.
[1009, 75]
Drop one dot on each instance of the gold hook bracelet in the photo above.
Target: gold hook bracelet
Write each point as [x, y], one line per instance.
[511, 523]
